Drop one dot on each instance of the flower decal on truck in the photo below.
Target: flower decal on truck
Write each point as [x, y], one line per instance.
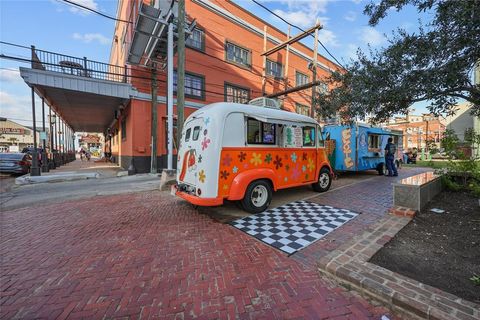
[290, 166]
[256, 159]
[205, 143]
[224, 174]
[242, 156]
[277, 162]
[202, 176]
[227, 160]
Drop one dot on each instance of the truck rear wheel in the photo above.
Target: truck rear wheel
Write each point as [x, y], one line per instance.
[324, 181]
[257, 196]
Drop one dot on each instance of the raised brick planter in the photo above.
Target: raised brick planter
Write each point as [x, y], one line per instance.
[402, 212]
[349, 265]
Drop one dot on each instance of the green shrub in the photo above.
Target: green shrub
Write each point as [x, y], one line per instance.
[474, 186]
[450, 184]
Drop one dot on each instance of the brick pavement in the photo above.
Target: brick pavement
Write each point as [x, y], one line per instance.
[372, 198]
[148, 255]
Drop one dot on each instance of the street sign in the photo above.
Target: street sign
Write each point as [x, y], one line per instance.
[43, 135]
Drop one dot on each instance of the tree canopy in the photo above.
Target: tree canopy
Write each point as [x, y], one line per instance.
[434, 64]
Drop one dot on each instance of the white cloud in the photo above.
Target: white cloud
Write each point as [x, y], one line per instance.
[328, 38]
[372, 36]
[357, 1]
[350, 16]
[351, 51]
[91, 37]
[16, 107]
[304, 13]
[86, 3]
[10, 75]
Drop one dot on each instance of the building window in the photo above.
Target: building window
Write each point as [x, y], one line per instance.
[236, 94]
[302, 109]
[237, 54]
[196, 40]
[300, 79]
[373, 141]
[194, 85]
[124, 127]
[274, 69]
[260, 132]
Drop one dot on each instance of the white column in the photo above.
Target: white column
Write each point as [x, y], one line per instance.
[170, 95]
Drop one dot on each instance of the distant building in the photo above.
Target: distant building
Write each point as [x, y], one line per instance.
[417, 129]
[16, 135]
[463, 120]
[90, 141]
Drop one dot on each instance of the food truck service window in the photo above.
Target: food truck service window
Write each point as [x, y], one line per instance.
[308, 136]
[373, 141]
[260, 132]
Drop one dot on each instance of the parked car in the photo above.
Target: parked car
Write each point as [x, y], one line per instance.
[29, 150]
[15, 163]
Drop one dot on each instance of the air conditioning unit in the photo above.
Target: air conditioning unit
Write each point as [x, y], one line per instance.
[265, 102]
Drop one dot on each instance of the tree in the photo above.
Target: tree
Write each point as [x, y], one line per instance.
[434, 64]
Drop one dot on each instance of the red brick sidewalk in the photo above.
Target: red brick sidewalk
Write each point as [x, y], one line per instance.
[148, 255]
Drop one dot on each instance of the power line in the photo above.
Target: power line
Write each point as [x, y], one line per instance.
[95, 11]
[297, 27]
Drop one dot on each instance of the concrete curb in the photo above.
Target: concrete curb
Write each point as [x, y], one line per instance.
[26, 179]
[349, 265]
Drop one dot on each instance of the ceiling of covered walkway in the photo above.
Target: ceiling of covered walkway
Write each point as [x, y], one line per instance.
[84, 103]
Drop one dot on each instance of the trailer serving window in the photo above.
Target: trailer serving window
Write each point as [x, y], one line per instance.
[260, 132]
[373, 141]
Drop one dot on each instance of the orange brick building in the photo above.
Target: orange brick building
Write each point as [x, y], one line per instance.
[223, 63]
[417, 129]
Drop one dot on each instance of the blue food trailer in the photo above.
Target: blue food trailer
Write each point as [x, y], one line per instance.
[359, 147]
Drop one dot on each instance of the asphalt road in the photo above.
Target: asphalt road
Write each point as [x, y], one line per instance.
[22, 196]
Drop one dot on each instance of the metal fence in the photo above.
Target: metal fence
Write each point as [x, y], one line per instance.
[51, 61]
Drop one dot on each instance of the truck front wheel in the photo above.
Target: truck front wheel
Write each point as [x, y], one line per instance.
[257, 196]
[324, 181]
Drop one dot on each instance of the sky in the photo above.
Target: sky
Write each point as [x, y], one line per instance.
[54, 25]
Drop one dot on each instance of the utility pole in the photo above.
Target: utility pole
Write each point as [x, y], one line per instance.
[153, 161]
[50, 123]
[180, 70]
[314, 72]
[44, 140]
[34, 170]
[170, 95]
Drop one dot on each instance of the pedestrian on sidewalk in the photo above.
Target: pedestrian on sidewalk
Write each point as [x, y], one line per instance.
[390, 152]
[82, 153]
[87, 155]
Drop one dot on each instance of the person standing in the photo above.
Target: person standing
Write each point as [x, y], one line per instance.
[390, 152]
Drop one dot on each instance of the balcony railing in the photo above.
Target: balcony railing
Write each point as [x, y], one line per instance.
[51, 61]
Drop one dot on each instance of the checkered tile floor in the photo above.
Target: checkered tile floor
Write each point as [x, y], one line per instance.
[295, 225]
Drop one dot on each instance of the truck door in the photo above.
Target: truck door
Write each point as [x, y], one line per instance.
[189, 151]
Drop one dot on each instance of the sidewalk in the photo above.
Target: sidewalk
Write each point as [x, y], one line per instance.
[103, 168]
[148, 255]
[75, 170]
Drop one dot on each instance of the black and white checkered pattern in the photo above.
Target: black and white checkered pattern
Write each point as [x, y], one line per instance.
[295, 225]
